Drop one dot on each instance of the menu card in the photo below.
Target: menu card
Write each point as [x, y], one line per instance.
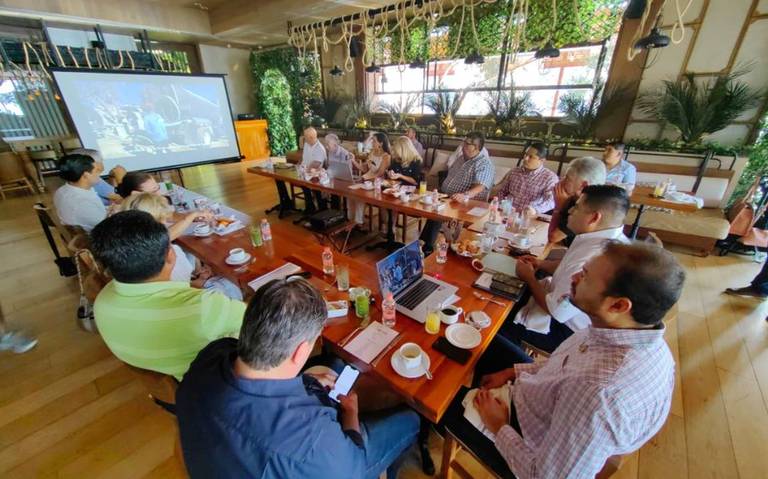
[279, 273]
[371, 341]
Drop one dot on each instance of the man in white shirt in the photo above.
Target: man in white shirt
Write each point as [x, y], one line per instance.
[313, 156]
[605, 391]
[549, 317]
[410, 132]
[76, 203]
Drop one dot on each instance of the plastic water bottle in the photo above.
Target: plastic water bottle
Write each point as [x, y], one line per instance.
[388, 311]
[328, 267]
[377, 184]
[442, 251]
[266, 230]
[493, 209]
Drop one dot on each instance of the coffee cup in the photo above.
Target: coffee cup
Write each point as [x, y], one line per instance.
[368, 184]
[427, 199]
[521, 241]
[203, 229]
[237, 254]
[450, 314]
[411, 354]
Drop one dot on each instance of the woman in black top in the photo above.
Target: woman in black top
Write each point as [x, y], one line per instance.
[406, 164]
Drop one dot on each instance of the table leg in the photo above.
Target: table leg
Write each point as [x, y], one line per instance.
[389, 244]
[636, 224]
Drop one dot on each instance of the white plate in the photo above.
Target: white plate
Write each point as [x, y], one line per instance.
[233, 262]
[463, 336]
[203, 235]
[413, 373]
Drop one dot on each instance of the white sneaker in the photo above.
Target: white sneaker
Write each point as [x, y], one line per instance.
[16, 342]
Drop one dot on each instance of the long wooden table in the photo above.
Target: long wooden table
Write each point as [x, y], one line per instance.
[643, 196]
[452, 210]
[431, 398]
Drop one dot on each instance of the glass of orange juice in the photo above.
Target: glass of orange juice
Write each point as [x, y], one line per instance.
[432, 322]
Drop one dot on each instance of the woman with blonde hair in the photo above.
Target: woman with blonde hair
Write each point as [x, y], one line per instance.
[406, 162]
[187, 268]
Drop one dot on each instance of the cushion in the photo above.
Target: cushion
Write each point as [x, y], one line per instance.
[706, 222]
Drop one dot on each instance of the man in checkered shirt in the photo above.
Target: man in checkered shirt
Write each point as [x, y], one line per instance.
[605, 391]
[470, 176]
[530, 186]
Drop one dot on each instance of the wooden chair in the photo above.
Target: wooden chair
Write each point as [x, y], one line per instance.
[12, 175]
[452, 445]
[48, 221]
[45, 162]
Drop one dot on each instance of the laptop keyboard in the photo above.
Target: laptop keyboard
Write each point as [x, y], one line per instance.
[417, 294]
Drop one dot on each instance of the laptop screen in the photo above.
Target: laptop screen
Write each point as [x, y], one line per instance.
[400, 269]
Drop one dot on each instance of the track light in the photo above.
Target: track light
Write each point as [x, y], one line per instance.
[417, 63]
[336, 71]
[549, 51]
[474, 57]
[655, 39]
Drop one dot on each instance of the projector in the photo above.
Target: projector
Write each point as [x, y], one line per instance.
[246, 116]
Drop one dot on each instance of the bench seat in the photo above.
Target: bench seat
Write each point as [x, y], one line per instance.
[699, 230]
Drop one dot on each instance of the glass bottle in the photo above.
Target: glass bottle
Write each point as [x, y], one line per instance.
[388, 313]
[328, 267]
[266, 230]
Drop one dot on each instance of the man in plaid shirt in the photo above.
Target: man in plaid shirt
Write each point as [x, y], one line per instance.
[470, 176]
[530, 186]
[605, 391]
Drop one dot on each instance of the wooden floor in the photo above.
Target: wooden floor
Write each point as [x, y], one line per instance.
[68, 408]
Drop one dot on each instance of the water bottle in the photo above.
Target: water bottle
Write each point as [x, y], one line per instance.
[388, 311]
[442, 251]
[266, 230]
[493, 209]
[377, 184]
[328, 267]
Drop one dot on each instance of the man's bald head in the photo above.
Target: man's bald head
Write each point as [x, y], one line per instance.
[310, 135]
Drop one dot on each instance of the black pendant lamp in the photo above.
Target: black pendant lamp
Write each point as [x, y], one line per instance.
[655, 39]
[417, 63]
[548, 51]
[336, 71]
[635, 9]
[373, 68]
[474, 58]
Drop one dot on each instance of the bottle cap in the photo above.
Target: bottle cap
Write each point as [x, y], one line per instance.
[389, 296]
[327, 249]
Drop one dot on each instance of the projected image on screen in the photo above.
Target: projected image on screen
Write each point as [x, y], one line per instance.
[144, 121]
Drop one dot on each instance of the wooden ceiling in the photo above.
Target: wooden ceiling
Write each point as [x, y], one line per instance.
[264, 22]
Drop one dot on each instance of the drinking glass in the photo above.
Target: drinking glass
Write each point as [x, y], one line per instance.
[422, 188]
[342, 277]
[362, 303]
[432, 321]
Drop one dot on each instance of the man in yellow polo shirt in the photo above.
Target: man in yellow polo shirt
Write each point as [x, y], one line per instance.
[147, 320]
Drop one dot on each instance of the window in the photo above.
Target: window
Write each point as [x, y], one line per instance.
[576, 69]
[29, 108]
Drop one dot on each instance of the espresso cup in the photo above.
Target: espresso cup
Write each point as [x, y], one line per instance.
[368, 184]
[450, 314]
[521, 241]
[203, 229]
[411, 354]
[428, 199]
[237, 254]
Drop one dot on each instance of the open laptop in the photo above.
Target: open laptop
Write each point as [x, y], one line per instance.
[402, 273]
[341, 170]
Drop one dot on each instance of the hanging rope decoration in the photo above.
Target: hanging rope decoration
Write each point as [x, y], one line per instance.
[315, 36]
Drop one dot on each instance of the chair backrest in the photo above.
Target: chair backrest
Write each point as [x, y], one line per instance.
[50, 219]
[11, 167]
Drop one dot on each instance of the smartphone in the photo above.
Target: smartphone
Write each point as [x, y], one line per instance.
[344, 383]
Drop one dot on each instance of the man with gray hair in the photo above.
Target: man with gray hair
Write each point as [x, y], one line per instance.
[581, 172]
[410, 132]
[245, 410]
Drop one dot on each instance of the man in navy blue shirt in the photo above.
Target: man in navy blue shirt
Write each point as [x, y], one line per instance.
[245, 411]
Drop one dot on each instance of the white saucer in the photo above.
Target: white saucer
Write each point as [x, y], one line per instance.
[413, 373]
[463, 336]
[203, 235]
[232, 262]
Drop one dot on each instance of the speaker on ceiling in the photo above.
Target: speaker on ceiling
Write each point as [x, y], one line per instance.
[355, 47]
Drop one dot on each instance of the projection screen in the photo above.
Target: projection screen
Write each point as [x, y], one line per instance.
[150, 121]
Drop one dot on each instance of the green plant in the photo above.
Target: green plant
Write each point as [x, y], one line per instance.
[445, 105]
[303, 81]
[582, 110]
[696, 109]
[359, 113]
[398, 112]
[277, 109]
[507, 108]
[757, 164]
[577, 22]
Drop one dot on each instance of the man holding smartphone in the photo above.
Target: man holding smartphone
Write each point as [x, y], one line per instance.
[245, 410]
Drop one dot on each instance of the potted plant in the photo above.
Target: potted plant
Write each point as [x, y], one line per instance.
[582, 110]
[700, 108]
[445, 105]
[398, 112]
[507, 109]
[359, 113]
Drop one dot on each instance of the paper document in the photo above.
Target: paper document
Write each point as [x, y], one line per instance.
[279, 273]
[503, 393]
[371, 341]
[477, 211]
